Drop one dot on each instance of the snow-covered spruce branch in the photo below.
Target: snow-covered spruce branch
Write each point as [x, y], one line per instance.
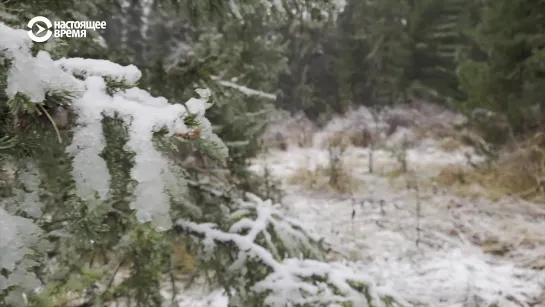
[92, 91]
[20, 238]
[291, 280]
[89, 81]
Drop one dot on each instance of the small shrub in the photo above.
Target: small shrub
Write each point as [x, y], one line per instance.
[453, 175]
[363, 138]
[466, 183]
[397, 118]
[337, 139]
[333, 177]
[336, 168]
[308, 178]
[281, 142]
[183, 258]
[266, 186]
[320, 179]
[517, 173]
[305, 139]
[494, 128]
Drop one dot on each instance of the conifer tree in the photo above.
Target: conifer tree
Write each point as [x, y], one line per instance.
[93, 186]
[509, 79]
[408, 48]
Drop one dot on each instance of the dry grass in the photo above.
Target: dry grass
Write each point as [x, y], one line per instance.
[333, 177]
[321, 178]
[519, 173]
[184, 260]
[305, 139]
[434, 132]
[337, 139]
[291, 131]
[467, 183]
[302, 139]
[349, 138]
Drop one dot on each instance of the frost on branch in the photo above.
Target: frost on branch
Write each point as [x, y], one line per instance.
[17, 236]
[28, 199]
[245, 90]
[20, 238]
[273, 264]
[89, 67]
[31, 76]
[144, 115]
[89, 82]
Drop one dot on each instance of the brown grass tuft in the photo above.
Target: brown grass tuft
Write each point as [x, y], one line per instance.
[305, 139]
[349, 138]
[436, 132]
[184, 260]
[321, 178]
[337, 139]
[519, 173]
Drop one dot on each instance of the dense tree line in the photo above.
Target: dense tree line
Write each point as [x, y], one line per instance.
[466, 54]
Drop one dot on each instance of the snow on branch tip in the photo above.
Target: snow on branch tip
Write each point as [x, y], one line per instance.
[243, 89]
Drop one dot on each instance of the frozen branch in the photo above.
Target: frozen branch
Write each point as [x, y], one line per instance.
[292, 280]
[243, 89]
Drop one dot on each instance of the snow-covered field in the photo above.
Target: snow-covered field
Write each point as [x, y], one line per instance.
[428, 245]
[449, 267]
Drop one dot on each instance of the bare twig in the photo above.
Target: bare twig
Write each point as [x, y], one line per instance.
[374, 137]
[418, 211]
[52, 122]
[243, 89]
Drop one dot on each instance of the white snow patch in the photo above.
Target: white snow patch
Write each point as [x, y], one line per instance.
[245, 90]
[38, 76]
[102, 68]
[32, 76]
[448, 267]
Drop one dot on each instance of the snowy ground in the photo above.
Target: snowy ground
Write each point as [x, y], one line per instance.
[449, 267]
[470, 252]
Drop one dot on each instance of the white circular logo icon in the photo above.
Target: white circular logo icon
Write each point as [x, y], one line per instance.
[36, 21]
